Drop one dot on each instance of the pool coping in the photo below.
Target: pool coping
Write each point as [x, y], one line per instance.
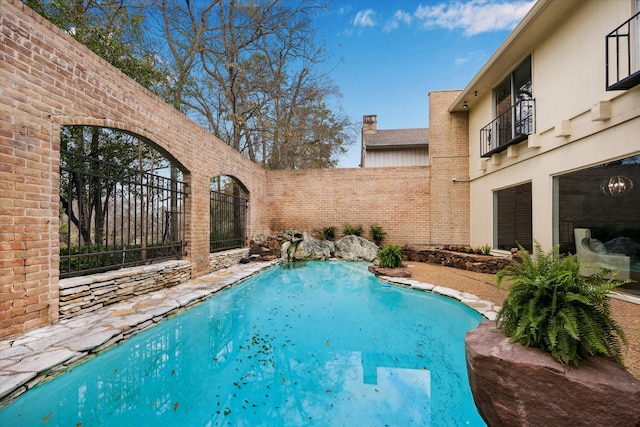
[36, 356]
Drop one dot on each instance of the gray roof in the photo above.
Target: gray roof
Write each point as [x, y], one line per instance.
[397, 137]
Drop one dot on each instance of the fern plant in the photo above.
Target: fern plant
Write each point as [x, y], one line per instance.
[552, 307]
[326, 233]
[390, 256]
[377, 234]
[351, 230]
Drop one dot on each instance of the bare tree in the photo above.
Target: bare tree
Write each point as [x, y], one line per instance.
[255, 82]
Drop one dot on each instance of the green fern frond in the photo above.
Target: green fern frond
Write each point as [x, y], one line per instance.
[552, 307]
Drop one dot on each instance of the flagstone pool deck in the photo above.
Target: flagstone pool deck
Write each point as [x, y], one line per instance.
[40, 354]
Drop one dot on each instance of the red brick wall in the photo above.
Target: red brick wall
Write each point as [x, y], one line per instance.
[397, 199]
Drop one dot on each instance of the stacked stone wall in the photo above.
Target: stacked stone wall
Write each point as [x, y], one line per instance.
[83, 294]
[471, 262]
[220, 260]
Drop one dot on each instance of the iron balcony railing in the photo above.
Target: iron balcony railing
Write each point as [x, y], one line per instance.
[622, 51]
[510, 127]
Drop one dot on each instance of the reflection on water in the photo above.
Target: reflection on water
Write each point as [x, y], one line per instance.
[327, 344]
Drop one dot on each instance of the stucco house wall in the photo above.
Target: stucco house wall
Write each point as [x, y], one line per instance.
[566, 40]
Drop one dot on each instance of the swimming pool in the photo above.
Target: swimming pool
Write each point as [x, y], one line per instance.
[318, 343]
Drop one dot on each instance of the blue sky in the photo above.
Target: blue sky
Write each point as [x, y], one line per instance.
[388, 55]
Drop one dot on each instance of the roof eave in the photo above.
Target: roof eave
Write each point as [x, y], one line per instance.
[389, 146]
[511, 53]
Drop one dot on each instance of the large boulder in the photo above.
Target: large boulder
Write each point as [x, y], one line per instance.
[401, 271]
[292, 236]
[513, 385]
[310, 248]
[264, 248]
[353, 248]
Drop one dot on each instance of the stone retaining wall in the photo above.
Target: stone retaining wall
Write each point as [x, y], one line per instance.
[220, 260]
[470, 262]
[88, 293]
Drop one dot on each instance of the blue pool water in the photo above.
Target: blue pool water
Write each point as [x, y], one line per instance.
[319, 343]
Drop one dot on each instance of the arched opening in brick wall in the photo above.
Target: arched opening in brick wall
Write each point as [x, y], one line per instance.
[122, 201]
[228, 213]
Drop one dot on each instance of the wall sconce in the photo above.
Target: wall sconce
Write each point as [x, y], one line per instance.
[616, 186]
[465, 106]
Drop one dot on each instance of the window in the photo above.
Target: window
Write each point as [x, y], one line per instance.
[513, 220]
[512, 96]
[603, 200]
[514, 112]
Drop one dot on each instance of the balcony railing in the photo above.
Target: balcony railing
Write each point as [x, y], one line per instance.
[622, 52]
[510, 127]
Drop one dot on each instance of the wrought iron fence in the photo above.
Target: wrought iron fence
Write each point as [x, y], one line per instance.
[228, 218]
[113, 216]
[510, 127]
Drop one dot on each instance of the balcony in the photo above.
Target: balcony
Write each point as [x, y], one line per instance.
[509, 128]
[622, 52]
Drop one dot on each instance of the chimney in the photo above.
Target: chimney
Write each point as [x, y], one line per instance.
[369, 124]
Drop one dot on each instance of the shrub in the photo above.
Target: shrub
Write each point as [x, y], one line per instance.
[326, 233]
[377, 235]
[390, 256]
[349, 230]
[552, 307]
[485, 249]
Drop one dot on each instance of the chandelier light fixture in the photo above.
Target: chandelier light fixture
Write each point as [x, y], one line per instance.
[616, 186]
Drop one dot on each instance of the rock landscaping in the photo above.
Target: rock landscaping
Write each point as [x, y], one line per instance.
[471, 262]
[511, 383]
[297, 246]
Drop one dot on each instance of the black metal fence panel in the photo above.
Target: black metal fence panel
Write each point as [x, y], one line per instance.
[228, 220]
[113, 216]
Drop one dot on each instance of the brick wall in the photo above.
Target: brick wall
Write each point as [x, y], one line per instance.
[449, 151]
[397, 199]
[47, 81]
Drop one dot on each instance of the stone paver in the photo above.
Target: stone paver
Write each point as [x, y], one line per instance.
[486, 308]
[40, 354]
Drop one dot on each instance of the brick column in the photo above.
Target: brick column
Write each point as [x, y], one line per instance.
[449, 156]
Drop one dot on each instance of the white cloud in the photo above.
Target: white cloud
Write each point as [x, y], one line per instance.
[365, 18]
[474, 16]
[344, 10]
[475, 57]
[400, 17]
